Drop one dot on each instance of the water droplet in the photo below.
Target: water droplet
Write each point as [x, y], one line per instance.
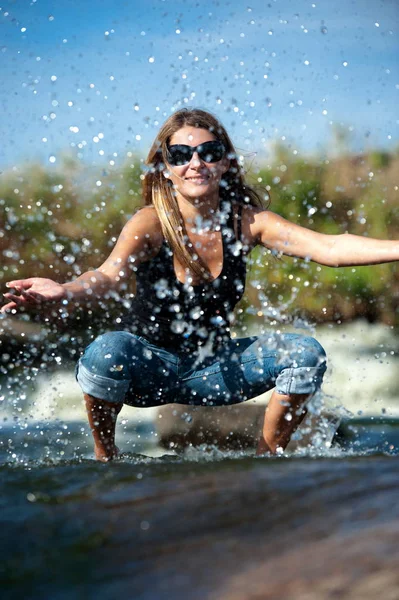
[69, 259]
[187, 417]
[178, 326]
[195, 313]
[236, 248]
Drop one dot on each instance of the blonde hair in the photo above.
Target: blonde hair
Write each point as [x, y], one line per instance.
[158, 190]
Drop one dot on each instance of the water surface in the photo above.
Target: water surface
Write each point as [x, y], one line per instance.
[205, 525]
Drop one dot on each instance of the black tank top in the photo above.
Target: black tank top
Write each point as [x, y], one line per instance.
[177, 315]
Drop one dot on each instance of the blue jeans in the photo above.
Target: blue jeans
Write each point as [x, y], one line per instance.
[122, 367]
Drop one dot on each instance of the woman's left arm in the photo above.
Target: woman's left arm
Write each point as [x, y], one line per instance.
[276, 233]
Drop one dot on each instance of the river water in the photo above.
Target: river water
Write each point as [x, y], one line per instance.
[321, 521]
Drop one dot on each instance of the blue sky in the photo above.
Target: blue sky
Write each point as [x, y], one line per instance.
[98, 78]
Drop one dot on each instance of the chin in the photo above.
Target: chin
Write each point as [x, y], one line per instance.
[201, 189]
[200, 197]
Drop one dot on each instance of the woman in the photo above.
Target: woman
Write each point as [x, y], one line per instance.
[187, 250]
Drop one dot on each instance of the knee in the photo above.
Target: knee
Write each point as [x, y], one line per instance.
[304, 368]
[110, 355]
[310, 353]
[301, 351]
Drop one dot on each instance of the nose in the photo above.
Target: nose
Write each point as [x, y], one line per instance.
[195, 160]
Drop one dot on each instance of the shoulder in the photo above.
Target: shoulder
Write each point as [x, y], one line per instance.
[139, 241]
[258, 222]
[141, 236]
[276, 233]
[145, 224]
[148, 215]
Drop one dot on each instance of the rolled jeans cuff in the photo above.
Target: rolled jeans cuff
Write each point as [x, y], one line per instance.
[101, 387]
[300, 380]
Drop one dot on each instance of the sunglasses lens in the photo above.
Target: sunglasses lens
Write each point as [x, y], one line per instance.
[211, 152]
[180, 154]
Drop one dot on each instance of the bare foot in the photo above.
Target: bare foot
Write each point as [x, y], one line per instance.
[105, 455]
[263, 448]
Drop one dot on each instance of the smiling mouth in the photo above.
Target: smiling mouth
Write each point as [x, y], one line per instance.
[198, 180]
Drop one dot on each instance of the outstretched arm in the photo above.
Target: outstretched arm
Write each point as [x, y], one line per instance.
[36, 291]
[135, 243]
[276, 233]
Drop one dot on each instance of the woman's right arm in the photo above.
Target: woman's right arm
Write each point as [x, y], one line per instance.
[135, 244]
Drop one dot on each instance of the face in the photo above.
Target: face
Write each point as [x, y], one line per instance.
[197, 179]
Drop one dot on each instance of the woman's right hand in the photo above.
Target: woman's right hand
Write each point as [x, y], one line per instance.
[32, 293]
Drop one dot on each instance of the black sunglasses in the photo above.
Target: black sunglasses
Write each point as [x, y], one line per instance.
[180, 154]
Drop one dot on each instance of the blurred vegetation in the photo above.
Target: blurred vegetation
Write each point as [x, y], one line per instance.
[61, 222]
[352, 193]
